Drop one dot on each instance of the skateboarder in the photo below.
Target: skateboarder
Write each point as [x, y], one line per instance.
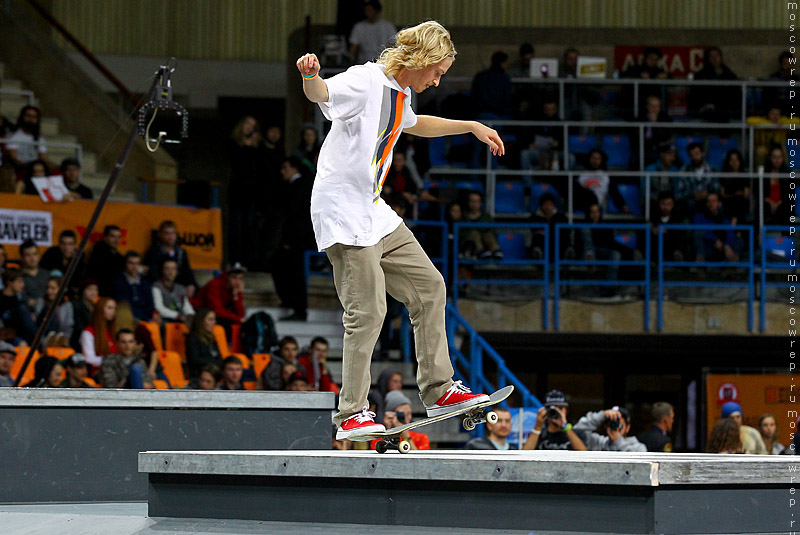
[371, 250]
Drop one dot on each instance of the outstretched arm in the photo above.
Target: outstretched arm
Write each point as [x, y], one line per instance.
[315, 87]
[431, 126]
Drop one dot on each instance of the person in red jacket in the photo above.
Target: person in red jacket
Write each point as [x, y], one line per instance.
[223, 295]
[322, 380]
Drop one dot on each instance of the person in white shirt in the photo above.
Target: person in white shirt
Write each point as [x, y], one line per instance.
[25, 145]
[371, 250]
[370, 36]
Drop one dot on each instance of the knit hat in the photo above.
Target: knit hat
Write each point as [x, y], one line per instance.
[5, 347]
[731, 407]
[395, 398]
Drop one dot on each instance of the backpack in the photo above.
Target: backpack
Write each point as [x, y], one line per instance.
[258, 334]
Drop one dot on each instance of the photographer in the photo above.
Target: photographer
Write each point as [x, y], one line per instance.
[615, 423]
[398, 412]
[552, 432]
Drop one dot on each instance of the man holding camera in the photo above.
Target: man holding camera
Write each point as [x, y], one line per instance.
[615, 422]
[398, 412]
[552, 432]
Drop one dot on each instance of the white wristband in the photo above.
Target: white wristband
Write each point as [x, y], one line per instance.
[535, 432]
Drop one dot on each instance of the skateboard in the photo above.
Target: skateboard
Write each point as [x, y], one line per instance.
[393, 438]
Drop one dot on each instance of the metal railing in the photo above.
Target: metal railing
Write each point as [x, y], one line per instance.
[77, 147]
[770, 262]
[27, 93]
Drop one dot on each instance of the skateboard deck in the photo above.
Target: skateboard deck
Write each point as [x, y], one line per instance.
[393, 438]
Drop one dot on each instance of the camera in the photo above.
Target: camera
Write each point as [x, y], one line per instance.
[401, 416]
[553, 413]
[614, 425]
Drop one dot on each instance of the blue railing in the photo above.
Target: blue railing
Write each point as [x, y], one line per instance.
[785, 249]
[558, 282]
[509, 260]
[748, 266]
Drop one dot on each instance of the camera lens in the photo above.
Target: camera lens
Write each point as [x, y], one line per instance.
[552, 412]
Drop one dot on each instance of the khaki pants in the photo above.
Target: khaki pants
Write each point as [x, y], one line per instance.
[362, 275]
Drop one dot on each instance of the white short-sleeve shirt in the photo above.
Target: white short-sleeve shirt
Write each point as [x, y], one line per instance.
[368, 111]
[371, 38]
[28, 151]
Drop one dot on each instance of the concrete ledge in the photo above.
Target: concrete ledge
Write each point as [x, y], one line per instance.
[167, 399]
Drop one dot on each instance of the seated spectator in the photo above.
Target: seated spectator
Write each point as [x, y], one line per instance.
[666, 213]
[170, 299]
[77, 371]
[552, 431]
[544, 150]
[692, 191]
[58, 258]
[398, 412]
[73, 316]
[750, 437]
[715, 245]
[595, 184]
[7, 356]
[492, 89]
[71, 171]
[135, 290]
[399, 180]
[615, 423]
[35, 278]
[735, 192]
[656, 438]
[231, 374]
[127, 368]
[50, 294]
[654, 137]
[97, 339]
[106, 263]
[667, 155]
[201, 345]
[14, 313]
[321, 379]
[307, 151]
[389, 379]
[714, 103]
[522, 67]
[776, 207]
[35, 169]
[297, 382]
[598, 243]
[496, 434]
[651, 68]
[223, 295]
[271, 378]
[476, 242]
[725, 437]
[210, 377]
[47, 373]
[769, 432]
[780, 97]
[772, 134]
[548, 213]
[26, 144]
[165, 247]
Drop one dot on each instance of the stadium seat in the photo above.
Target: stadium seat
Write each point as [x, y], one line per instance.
[470, 185]
[260, 362]
[91, 382]
[582, 144]
[173, 368]
[718, 147]
[236, 339]
[509, 198]
[60, 353]
[22, 352]
[627, 239]
[684, 141]
[437, 152]
[540, 188]
[512, 244]
[161, 384]
[175, 338]
[222, 341]
[155, 333]
[779, 246]
[242, 357]
[629, 192]
[618, 150]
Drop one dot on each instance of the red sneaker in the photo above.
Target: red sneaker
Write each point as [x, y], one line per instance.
[359, 424]
[457, 397]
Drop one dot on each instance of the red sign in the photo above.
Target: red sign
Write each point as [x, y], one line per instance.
[678, 61]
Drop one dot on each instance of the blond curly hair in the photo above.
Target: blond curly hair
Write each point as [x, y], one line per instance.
[418, 47]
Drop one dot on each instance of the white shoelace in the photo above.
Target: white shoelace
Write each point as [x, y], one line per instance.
[456, 387]
[365, 415]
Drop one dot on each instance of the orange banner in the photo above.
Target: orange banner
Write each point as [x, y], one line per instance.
[758, 394]
[199, 230]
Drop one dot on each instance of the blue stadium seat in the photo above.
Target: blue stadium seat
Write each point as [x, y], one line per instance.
[582, 144]
[626, 239]
[618, 149]
[470, 185]
[509, 198]
[779, 246]
[629, 192]
[684, 141]
[512, 244]
[718, 147]
[540, 188]
[437, 151]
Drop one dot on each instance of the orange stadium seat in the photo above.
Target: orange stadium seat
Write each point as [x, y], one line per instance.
[155, 333]
[175, 339]
[173, 368]
[59, 352]
[242, 357]
[17, 366]
[160, 384]
[222, 341]
[260, 362]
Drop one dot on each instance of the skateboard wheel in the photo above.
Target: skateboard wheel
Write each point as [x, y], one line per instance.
[381, 446]
[404, 446]
[468, 424]
[491, 417]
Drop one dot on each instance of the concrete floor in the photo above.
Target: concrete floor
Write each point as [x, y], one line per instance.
[131, 519]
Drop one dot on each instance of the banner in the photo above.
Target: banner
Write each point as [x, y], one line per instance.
[758, 394]
[678, 61]
[25, 217]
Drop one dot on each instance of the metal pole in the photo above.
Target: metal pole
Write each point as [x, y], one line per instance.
[556, 278]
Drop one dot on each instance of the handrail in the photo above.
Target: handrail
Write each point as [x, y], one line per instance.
[789, 264]
[91, 58]
[479, 347]
[20, 93]
[57, 144]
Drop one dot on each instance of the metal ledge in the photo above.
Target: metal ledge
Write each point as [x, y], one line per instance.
[164, 399]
